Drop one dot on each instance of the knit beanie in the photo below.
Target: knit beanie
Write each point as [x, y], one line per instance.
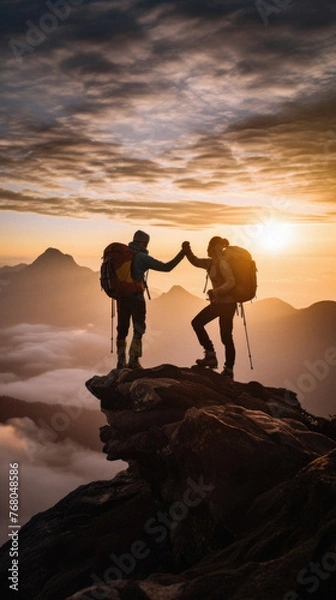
[141, 236]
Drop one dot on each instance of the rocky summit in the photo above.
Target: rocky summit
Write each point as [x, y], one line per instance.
[230, 494]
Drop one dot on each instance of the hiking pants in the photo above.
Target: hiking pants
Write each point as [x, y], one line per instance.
[131, 307]
[225, 311]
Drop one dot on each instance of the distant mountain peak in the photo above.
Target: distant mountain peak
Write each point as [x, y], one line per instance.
[53, 257]
[178, 291]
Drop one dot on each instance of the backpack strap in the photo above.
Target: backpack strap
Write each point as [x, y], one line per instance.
[207, 277]
[146, 285]
[206, 282]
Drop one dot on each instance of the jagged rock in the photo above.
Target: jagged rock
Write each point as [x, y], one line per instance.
[135, 403]
[230, 493]
[175, 387]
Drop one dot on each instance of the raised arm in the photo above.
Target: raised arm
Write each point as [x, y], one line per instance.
[148, 262]
[202, 263]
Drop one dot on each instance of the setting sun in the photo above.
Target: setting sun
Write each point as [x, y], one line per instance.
[276, 236]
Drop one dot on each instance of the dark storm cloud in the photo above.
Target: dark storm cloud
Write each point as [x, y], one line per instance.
[123, 98]
[86, 63]
[71, 12]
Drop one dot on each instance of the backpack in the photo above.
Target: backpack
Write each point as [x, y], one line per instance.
[115, 272]
[244, 270]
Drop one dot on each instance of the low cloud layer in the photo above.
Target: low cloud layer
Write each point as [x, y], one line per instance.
[39, 363]
[178, 113]
[47, 471]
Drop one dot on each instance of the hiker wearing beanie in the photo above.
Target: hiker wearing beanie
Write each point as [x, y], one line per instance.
[134, 306]
[222, 304]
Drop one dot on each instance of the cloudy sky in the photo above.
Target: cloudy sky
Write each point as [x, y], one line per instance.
[182, 117]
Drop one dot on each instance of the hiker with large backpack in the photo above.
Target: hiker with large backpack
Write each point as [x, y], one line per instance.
[225, 268]
[126, 283]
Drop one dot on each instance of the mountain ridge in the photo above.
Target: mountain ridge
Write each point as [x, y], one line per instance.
[48, 291]
[283, 339]
[8, 269]
[53, 257]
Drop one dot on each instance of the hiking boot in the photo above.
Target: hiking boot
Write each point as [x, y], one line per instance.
[209, 360]
[134, 363]
[121, 353]
[227, 372]
[121, 364]
[134, 354]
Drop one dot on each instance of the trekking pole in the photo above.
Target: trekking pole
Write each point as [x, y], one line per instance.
[112, 318]
[247, 339]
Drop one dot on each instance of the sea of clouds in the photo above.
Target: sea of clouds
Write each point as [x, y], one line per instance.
[39, 363]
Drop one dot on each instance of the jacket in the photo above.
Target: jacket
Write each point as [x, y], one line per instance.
[142, 262]
[220, 274]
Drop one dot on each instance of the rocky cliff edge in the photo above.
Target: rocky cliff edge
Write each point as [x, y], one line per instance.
[230, 494]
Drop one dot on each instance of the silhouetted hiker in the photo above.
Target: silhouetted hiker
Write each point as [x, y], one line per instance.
[134, 306]
[221, 305]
